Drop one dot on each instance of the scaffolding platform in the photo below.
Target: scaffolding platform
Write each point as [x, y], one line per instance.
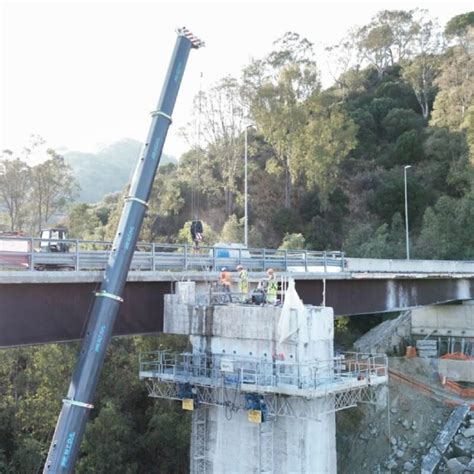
[223, 380]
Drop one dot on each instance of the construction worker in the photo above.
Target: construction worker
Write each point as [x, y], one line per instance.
[226, 282]
[243, 280]
[272, 286]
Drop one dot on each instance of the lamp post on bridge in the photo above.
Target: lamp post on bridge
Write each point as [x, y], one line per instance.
[406, 211]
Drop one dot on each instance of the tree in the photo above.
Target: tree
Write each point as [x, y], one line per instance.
[292, 242]
[460, 27]
[420, 71]
[109, 443]
[233, 230]
[82, 221]
[326, 139]
[448, 229]
[223, 119]
[387, 39]
[276, 89]
[54, 186]
[398, 121]
[456, 86]
[340, 60]
[15, 185]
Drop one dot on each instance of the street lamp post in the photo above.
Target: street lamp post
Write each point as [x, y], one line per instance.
[406, 211]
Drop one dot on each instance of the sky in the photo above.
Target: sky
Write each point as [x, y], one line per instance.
[84, 74]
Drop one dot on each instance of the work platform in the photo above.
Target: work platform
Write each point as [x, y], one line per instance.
[346, 372]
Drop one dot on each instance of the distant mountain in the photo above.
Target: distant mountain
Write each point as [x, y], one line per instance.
[108, 170]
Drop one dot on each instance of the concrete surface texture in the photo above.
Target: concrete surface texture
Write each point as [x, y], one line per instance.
[457, 370]
[444, 320]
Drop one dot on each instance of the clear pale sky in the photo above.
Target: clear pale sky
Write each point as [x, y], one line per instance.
[86, 73]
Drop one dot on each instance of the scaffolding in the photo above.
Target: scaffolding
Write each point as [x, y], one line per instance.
[286, 389]
[199, 439]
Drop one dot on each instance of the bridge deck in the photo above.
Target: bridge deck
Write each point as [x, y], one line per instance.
[53, 306]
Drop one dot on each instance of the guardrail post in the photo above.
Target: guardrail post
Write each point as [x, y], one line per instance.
[213, 258]
[264, 261]
[185, 257]
[305, 260]
[240, 256]
[31, 253]
[286, 260]
[77, 255]
[153, 252]
[325, 261]
[343, 263]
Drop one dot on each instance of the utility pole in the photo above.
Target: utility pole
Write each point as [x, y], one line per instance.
[406, 211]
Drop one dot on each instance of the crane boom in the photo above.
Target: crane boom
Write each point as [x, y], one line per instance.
[76, 406]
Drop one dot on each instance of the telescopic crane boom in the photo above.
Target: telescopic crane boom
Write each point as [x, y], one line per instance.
[76, 406]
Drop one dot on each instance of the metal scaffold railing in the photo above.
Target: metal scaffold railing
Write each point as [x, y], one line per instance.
[285, 389]
[264, 374]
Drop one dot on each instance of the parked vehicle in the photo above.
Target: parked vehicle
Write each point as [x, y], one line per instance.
[52, 240]
[229, 255]
[14, 250]
[17, 250]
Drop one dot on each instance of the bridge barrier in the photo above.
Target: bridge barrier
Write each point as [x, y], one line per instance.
[93, 255]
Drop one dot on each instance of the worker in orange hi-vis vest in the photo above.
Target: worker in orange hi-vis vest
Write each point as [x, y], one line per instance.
[226, 282]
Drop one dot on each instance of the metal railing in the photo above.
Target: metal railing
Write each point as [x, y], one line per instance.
[24, 253]
[261, 373]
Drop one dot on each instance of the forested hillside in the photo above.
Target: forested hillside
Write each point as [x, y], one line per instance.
[326, 171]
[326, 167]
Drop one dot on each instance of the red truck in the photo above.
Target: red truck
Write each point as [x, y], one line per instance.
[14, 250]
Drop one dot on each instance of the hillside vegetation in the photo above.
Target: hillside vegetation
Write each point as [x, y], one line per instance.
[326, 167]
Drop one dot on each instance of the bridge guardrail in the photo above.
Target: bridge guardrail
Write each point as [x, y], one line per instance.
[25, 253]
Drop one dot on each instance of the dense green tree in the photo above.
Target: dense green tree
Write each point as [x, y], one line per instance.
[233, 230]
[54, 186]
[448, 229]
[398, 121]
[15, 189]
[325, 141]
[294, 241]
[456, 86]
[276, 89]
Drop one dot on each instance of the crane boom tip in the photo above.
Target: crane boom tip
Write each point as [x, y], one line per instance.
[195, 41]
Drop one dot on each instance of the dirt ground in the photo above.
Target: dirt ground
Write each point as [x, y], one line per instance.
[393, 436]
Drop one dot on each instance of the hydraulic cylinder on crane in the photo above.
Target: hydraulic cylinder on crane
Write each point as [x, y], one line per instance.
[78, 403]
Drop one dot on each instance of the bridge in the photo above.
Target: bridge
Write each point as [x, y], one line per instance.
[52, 306]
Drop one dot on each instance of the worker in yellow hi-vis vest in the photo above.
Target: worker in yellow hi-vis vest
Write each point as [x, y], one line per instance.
[243, 280]
[272, 287]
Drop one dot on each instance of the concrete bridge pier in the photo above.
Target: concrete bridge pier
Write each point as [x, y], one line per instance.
[262, 381]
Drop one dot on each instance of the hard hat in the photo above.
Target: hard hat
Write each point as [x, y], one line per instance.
[223, 269]
[240, 267]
